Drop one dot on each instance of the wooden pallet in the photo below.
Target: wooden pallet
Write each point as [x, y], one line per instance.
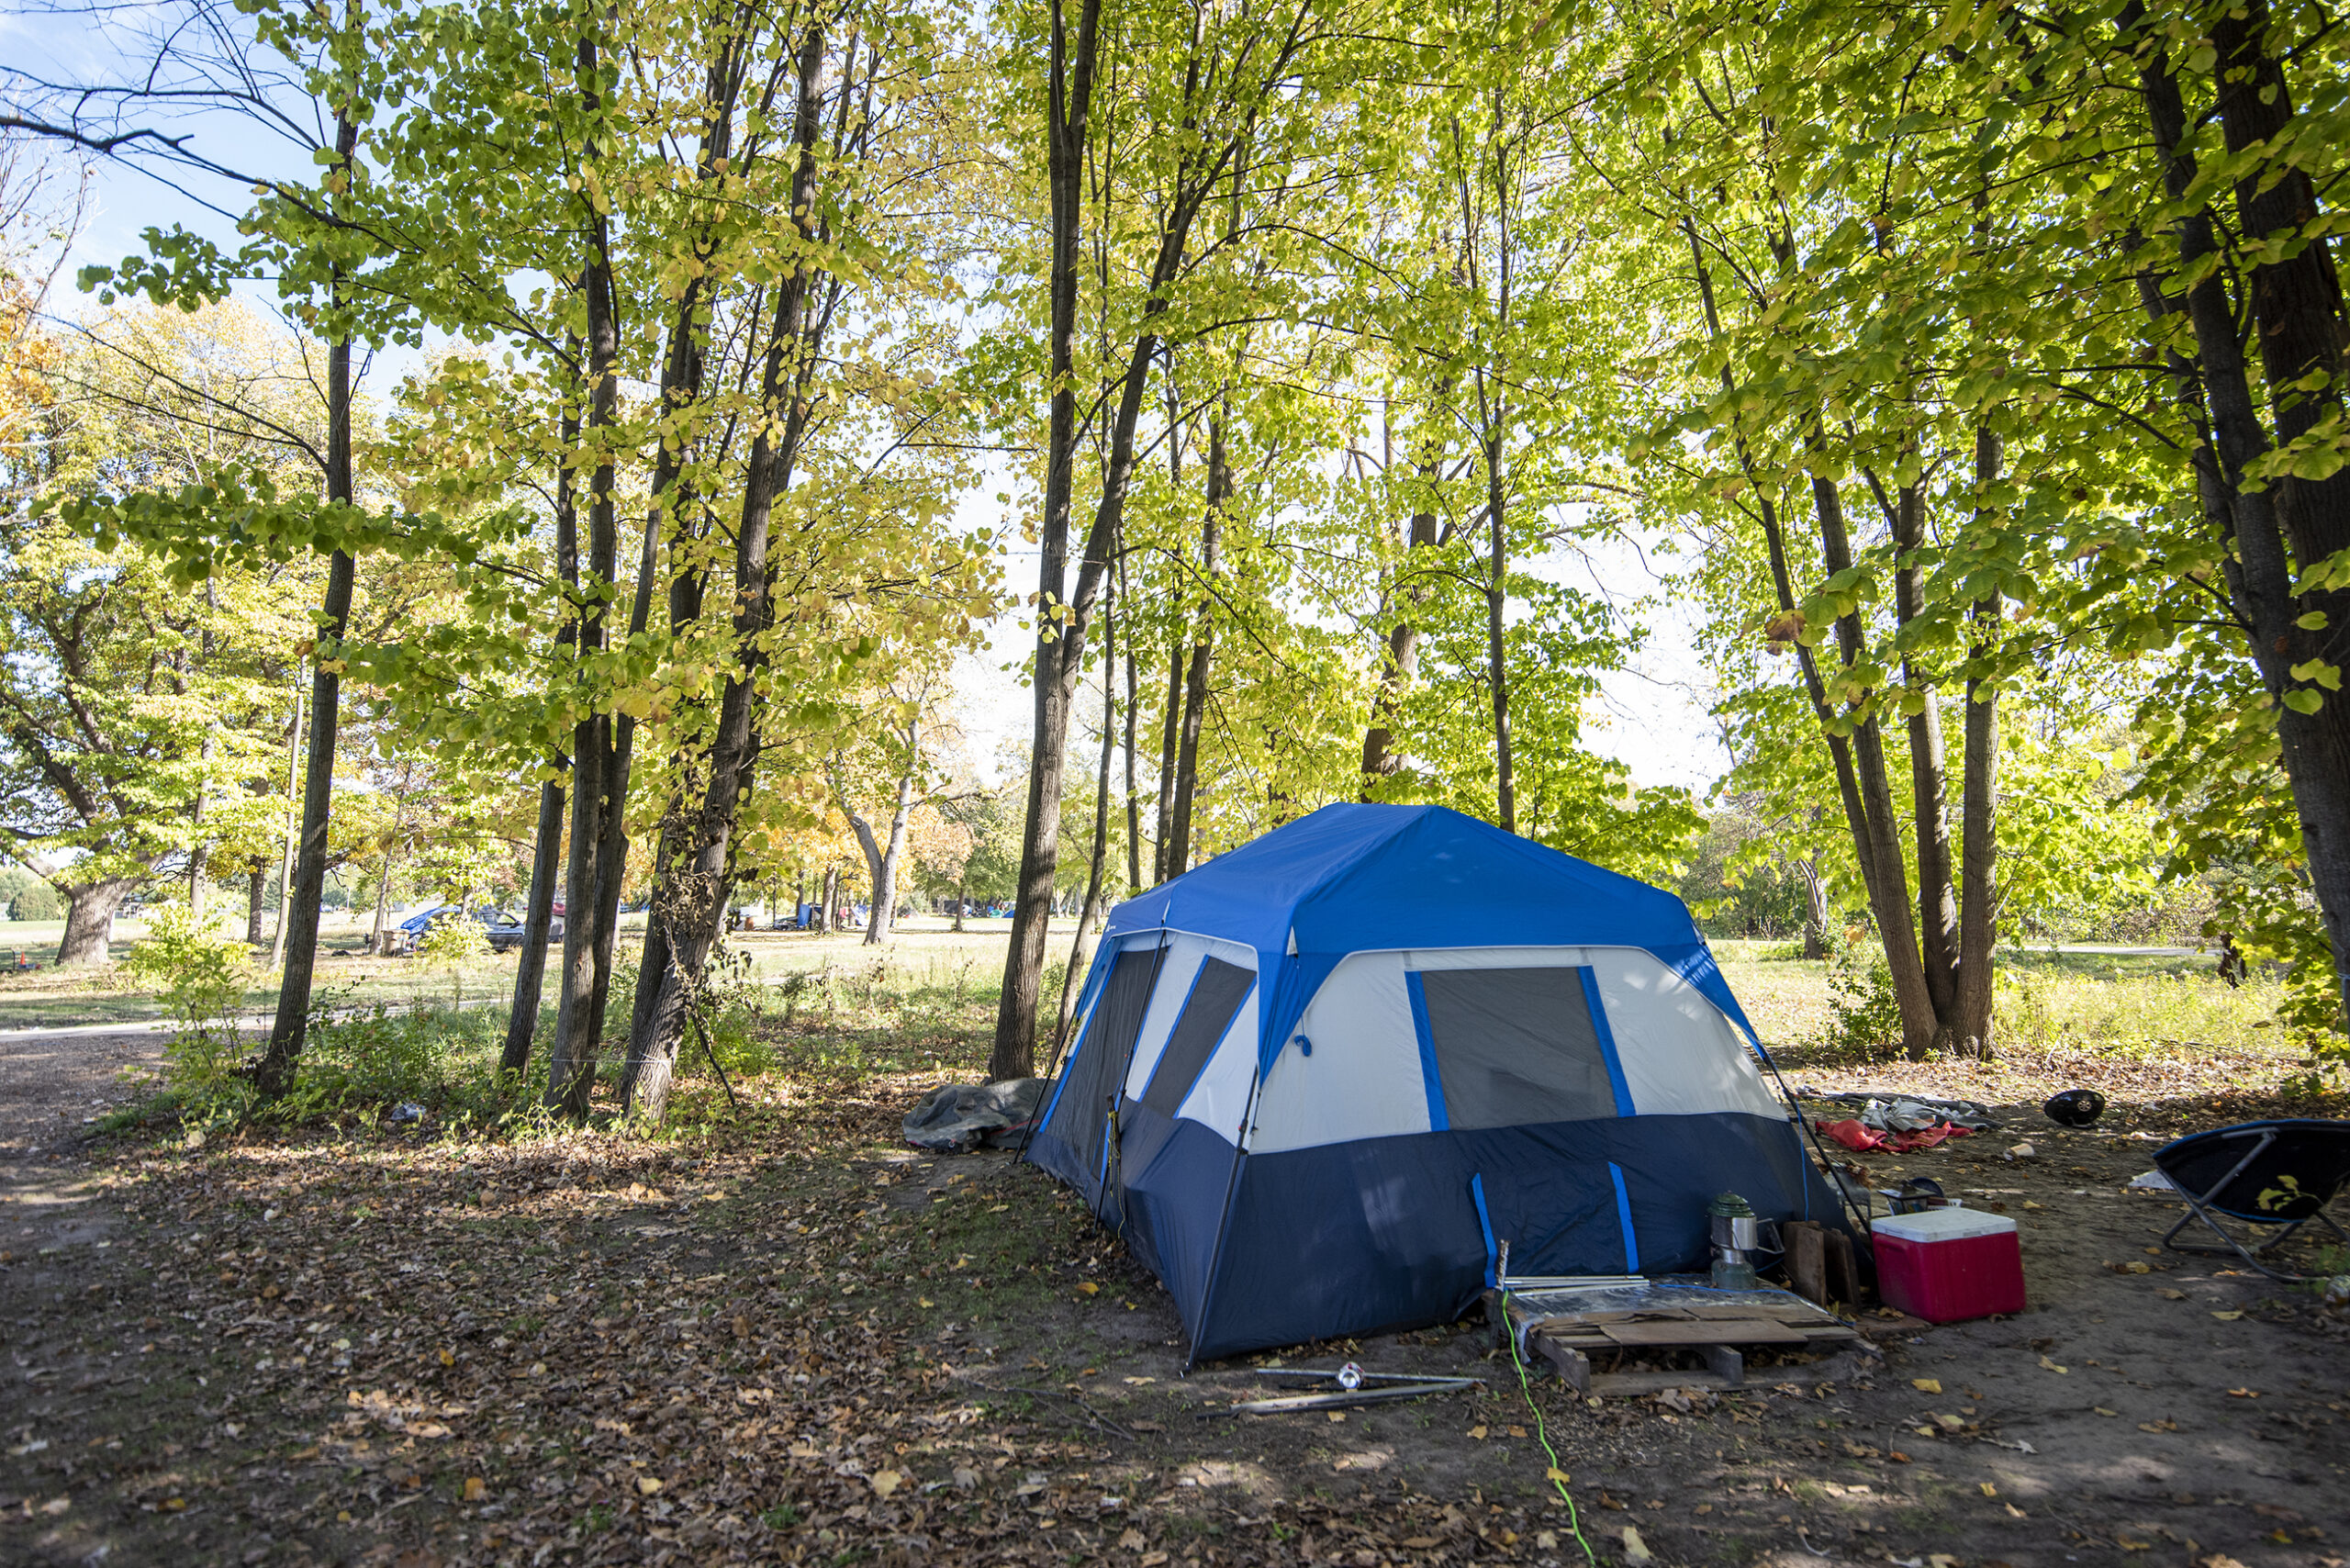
[1566, 1328]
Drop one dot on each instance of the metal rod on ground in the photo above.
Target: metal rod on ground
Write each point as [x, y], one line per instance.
[1332, 1401]
[1430, 1380]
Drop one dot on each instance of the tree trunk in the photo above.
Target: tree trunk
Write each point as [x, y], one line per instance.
[1978, 909]
[878, 929]
[89, 921]
[1928, 775]
[1402, 662]
[1171, 733]
[1134, 804]
[599, 785]
[286, 867]
[256, 896]
[538, 929]
[1497, 649]
[1089, 914]
[2291, 300]
[962, 896]
[379, 940]
[273, 1075]
[1815, 908]
[1195, 679]
[1877, 834]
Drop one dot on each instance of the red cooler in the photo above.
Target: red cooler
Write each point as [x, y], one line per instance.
[1948, 1265]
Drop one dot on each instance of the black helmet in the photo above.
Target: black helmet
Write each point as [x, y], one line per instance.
[2075, 1108]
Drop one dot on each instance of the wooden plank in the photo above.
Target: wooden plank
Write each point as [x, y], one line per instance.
[1725, 1364]
[1571, 1365]
[1712, 1331]
[1655, 1383]
[1806, 1258]
[1843, 1271]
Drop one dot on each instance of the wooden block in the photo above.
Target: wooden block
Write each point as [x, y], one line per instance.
[1714, 1331]
[1843, 1270]
[1806, 1258]
[1571, 1365]
[1725, 1364]
[1655, 1383]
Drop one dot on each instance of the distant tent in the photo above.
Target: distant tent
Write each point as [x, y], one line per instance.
[1319, 1081]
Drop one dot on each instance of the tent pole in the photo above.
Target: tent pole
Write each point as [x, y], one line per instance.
[1223, 1223]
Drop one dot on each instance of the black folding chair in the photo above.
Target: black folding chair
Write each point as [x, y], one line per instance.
[2276, 1175]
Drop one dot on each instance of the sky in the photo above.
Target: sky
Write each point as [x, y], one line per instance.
[1652, 715]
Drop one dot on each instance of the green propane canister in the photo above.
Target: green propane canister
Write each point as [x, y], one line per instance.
[1735, 1232]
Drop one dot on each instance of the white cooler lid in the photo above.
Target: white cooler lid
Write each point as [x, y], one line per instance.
[1943, 1224]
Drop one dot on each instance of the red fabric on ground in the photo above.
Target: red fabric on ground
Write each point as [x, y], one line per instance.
[1852, 1135]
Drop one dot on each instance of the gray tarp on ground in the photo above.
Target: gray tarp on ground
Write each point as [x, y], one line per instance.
[964, 1115]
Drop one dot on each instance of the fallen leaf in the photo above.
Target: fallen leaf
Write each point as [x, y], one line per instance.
[1927, 1384]
[448, 1358]
[1636, 1550]
[885, 1482]
[2164, 1425]
[1989, 1490]
[2127, 1544]
[2169, 1295]
[1517, 1431]
[2244, 1394]
[1478, 1433]
[1898, 1457]
[647, 1485]
[57, 1505]
[1418, 1542]
[475, 1488]
[1941, 1560]
[2052, 1366]
[1338, 1415]
[1089, 1288]
[2227, 1316]
[1130, 1542]
[1555, 1473]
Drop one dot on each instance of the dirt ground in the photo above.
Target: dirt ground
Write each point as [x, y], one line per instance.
[797, 1341]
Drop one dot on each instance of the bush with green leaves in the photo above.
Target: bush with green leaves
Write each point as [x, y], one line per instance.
[447, 944]
[200, 975]
[1864, 1016]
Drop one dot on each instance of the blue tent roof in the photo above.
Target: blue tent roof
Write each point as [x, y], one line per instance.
[1351, 878]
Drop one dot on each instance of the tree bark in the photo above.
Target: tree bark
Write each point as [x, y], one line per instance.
[1979, 891]
[256, 896]
[1134, 804]
[379, 939]
[2291, 306]
[285, 866]
[1815, 907]
[1089, 914]
[1195, 677]
[1928, 772]
[1921, 1027]
[538, 929]
[273, 1075]
[1170, 732]
[693, 902]
[1402, 661]
[89, 921]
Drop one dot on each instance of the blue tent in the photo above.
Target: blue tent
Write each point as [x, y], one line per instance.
[1318, 1082]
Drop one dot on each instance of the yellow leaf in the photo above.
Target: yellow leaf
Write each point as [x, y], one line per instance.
[1989, 1490]
[1555, 1473]
[1927, 1384]
[2052, 1366]
[475, 1488]
[1478, 1433]
[885, 1482]
[1089, 1288]
[2227, 1316]
[448, 1358]
[647, 1485]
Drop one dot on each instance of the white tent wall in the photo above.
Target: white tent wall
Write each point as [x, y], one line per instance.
[1364, 1078]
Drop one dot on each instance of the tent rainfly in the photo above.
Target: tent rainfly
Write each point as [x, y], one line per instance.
[1319, 1080]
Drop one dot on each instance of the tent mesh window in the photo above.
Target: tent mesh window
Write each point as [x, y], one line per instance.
[1108, 1043]
[1516, 1048]
[1215, 996]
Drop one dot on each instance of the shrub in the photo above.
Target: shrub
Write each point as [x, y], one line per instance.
[1864, 1016]
[200, 976]
[36, 901]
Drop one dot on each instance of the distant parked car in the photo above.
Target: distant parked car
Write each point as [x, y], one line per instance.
[507, 931]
